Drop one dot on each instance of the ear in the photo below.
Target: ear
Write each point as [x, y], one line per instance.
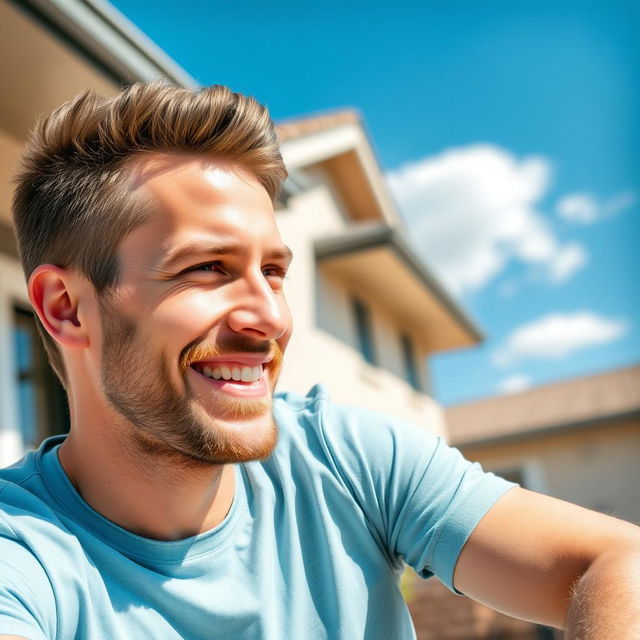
[54, 295]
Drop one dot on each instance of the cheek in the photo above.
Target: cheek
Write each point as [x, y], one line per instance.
[186, 317]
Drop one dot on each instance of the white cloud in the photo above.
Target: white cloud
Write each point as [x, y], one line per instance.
[472, 210]
[566, 262]
[578, 207]
[585, 208]
[514, 383]
[556, 336]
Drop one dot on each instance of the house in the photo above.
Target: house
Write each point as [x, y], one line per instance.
[367, 311]
[578, 440]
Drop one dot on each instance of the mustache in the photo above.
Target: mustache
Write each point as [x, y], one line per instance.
[197, 352]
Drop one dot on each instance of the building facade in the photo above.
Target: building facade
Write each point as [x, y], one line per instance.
[367, 312]
[577, 440]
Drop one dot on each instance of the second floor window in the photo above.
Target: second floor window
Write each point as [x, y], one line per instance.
[409, 360]
[364, 331]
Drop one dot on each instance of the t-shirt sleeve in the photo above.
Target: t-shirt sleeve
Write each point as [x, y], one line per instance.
[421, 497]
[26, 599]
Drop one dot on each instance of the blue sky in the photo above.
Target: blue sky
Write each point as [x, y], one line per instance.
[510, 137]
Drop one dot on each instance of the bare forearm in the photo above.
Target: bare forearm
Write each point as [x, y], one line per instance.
[606, 600]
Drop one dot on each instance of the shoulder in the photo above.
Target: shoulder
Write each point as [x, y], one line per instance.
[353, 440]
[31, 517]
[23, 486]
[337, 422]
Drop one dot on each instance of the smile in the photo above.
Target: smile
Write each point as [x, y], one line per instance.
[230, 372]
[233, 378]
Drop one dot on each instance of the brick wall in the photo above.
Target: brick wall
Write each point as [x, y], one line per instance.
[439, 614]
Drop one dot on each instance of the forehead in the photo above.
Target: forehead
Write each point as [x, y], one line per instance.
[190, 198]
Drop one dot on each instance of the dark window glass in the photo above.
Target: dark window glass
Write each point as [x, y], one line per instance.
[42, 401]
[409, 359]
[544, 633]
[365, 334]
[513, 475]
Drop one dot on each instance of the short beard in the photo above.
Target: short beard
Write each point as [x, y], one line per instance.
[169, 425]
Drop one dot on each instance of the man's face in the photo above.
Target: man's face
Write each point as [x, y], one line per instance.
[199, 303]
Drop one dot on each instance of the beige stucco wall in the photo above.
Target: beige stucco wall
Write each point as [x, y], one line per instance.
[39, 72]
[326, 352]
[598, 468]
[10, 149]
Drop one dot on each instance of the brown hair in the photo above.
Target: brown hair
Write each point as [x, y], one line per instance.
[70, 208]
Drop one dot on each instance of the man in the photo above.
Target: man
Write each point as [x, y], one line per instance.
[186, 502]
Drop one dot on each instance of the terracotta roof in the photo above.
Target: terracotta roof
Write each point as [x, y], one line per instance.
[312, 124]
[562, 404]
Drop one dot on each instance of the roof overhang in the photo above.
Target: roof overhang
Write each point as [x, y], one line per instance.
[51, 50]
[343, 150]
[529, 435]
[375, 260]
[106, 37]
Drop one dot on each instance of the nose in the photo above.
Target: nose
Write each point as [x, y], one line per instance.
[259, 311]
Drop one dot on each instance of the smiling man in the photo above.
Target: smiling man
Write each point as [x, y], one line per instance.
[189, 501]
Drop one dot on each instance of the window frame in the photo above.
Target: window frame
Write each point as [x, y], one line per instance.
[364, 330]
[409, 362]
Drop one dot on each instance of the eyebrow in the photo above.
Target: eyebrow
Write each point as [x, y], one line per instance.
[176, 256]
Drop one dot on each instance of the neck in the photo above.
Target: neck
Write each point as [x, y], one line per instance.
[160, 497]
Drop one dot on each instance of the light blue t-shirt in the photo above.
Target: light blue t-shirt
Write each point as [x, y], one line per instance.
[312, 547]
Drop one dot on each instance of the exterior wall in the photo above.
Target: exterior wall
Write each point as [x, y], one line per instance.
[596, 468]
[438, 614]
[10, 149]
[323, 347]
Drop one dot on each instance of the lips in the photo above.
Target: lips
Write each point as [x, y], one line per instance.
[242, 375]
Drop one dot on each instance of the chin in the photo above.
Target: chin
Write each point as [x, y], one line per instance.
[240, 438]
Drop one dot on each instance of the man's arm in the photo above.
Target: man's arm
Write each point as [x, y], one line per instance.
[540, 559]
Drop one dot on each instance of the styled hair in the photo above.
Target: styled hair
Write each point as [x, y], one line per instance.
[71, 207]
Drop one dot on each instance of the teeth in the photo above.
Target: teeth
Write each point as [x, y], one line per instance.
[244, 374]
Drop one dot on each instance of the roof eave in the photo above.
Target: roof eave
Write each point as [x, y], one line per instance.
[108, 39]
[547, 430]
[366, 237]
[338, 142]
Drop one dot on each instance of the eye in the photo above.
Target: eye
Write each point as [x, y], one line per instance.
[273, 271]
[206, 267]
[275, 276]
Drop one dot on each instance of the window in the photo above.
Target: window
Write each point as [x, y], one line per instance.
[513, 474]
[409, 361]
[545, 633]
[41, 399]
[363, 328]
